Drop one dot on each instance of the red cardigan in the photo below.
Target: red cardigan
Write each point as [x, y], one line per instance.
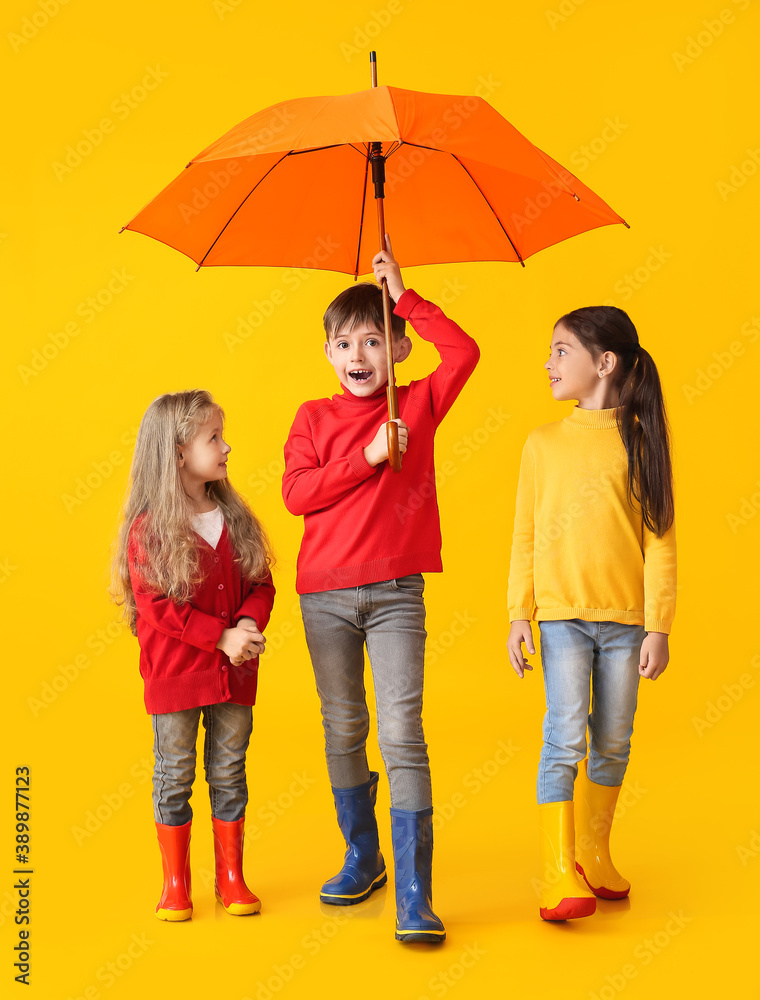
[179, 661]
[365, 524]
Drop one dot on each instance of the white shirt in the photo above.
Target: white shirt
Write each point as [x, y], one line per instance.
[209, 526]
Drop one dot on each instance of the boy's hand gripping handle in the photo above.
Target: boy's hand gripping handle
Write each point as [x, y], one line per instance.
[394, 455]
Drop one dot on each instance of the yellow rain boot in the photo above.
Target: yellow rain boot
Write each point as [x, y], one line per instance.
[594, 813]
[563, 894]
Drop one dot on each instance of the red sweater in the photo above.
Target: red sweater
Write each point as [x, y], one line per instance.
[179, 661]
[365, 524]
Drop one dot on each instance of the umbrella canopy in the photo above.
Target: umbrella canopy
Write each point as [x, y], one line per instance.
[290, 186]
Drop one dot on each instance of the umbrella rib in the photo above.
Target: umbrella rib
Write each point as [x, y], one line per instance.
[313, 149]
[477, 186]
[417, 145]
[319, 149]
[361, 217]
[556, 173]
[221, 231]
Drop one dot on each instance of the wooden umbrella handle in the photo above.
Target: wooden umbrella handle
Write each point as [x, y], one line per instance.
[394, 453]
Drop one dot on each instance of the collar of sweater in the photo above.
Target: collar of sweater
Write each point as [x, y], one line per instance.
[346, 396]
[600, 420]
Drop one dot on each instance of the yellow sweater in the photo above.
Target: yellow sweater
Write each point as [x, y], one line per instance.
[579, 549]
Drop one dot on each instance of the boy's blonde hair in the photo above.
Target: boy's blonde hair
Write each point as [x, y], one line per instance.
[362, 303]
[168, 546]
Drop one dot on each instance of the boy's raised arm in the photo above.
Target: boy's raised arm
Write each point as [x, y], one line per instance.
[308, 487]
[459, 352]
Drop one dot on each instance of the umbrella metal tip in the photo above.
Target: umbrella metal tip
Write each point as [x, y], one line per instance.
[373, 57]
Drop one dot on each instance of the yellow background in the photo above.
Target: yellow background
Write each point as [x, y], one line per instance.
[680, 88]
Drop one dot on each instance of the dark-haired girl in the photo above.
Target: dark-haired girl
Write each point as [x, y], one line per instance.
[594, 563]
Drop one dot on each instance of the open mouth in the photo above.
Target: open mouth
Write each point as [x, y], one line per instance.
[361, 375]
[553, 380]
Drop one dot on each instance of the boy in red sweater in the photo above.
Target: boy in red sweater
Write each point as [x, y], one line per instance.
[369, 534]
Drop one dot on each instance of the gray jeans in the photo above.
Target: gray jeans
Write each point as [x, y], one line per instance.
[228, 730]
[390, 618]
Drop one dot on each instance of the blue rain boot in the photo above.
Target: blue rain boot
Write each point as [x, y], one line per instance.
[412, 834]
[363, 870]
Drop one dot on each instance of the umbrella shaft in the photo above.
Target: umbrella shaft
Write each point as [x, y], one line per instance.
[377, 161]
[387, 323]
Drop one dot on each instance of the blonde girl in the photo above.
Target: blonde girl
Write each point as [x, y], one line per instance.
[192, 572]
[593, 562]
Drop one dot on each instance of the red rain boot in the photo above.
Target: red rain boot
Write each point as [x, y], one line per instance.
[231, 890]
[174, 841]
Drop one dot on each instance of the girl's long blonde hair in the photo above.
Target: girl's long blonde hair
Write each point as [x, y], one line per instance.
[168, 545]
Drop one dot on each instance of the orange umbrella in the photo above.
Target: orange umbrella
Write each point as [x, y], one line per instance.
[462, 183]
[292, 185]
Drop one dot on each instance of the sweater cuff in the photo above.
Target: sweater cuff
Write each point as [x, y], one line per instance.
[520, 614]
[359, 465]
[256, 608]
[657, 625]
[203, 630]
[407, 302]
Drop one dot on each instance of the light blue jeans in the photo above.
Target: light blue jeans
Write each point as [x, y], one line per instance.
[577, 655]
[228, 730]
[390, 618]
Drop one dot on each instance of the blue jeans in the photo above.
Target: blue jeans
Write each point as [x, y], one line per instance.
[576, 654]
[390, 618]
[228, 730]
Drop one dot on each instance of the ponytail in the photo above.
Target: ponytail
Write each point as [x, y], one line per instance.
[641, 417]
[643, 426]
